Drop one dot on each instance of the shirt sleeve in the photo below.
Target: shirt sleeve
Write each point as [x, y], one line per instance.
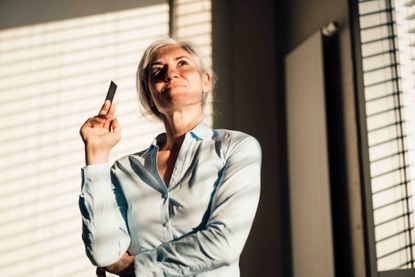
[102, 207]
[233, 210]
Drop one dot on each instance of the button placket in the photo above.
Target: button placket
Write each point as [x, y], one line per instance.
[165, 217]
[181, 162]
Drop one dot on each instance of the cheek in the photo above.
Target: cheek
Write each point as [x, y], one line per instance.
[154, 85]
[196, 80]
[155, 88]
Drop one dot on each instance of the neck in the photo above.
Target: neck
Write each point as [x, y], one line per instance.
[177, 125]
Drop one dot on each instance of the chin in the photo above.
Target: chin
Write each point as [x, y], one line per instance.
[180, 105]
[178, 96]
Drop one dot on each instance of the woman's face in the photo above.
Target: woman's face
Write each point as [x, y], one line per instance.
[175, 81]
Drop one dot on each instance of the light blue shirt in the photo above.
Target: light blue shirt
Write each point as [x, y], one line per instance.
[197, 226]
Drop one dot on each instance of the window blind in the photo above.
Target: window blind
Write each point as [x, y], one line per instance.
[388, 95]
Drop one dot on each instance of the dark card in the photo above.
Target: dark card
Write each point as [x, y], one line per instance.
[111, 92]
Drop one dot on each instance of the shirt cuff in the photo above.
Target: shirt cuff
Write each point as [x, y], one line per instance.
[95, 174]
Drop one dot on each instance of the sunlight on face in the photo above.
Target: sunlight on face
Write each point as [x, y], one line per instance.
[175, 80]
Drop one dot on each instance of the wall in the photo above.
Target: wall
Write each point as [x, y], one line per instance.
[247, 47]
[16, 13]
[250, 40]
[56, 63]
[304, 17]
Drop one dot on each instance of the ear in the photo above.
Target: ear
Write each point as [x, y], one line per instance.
[206, 82]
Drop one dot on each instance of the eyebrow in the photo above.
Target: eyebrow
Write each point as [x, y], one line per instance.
[158, 62]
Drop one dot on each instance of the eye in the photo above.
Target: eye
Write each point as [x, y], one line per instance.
[182, 62]
[155, 71]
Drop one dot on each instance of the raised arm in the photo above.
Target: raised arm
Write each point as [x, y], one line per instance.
[232, 213]
[104, 230]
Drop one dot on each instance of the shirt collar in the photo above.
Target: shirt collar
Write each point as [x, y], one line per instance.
[200, 132]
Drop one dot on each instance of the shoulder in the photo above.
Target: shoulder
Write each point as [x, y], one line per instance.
[237, 141]
[128, 161]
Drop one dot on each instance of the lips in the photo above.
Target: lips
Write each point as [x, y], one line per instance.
[171, 85]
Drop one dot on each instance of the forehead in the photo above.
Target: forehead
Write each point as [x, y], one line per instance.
[168, 52]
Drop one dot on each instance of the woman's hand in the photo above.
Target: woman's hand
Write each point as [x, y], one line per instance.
[123, 267]
[100, 134]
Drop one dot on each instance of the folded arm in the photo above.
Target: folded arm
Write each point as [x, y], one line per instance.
[231, 216]
[220, 243]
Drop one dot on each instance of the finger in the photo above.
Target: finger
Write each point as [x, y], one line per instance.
[86, 123]
[90, 122]
[115, 126]
[96, 120]
[111, 112]
[105, 108]
[109, 117]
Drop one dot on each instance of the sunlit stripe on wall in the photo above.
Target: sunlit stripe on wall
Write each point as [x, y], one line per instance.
[53, 76]
[56, 75]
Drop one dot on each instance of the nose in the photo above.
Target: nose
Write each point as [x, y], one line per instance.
[170, 73]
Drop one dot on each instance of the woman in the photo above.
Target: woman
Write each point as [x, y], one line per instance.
[185, 205]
